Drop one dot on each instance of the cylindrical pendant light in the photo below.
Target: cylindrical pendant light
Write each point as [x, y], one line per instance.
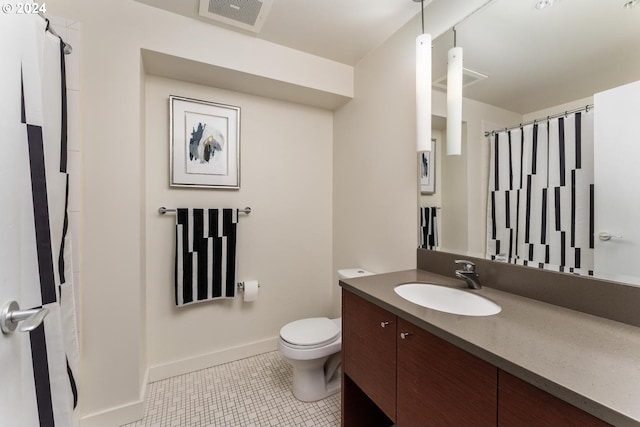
[454, 101]
[423, 92]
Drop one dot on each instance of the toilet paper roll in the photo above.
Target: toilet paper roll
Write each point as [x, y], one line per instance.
[251, 288]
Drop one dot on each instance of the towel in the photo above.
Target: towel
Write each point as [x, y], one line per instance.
[428, 227]
[205, 263]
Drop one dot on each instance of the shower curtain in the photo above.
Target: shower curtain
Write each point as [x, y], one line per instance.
[540, 200]
[35, 70]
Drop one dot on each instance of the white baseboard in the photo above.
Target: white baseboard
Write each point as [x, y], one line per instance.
[115, 417]
[134, 411]
[179, 367]
[119, 415]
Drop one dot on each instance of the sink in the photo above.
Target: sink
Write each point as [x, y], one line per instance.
[449, 300]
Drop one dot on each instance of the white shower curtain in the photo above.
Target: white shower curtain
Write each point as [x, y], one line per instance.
[541, 194]
[38, 132]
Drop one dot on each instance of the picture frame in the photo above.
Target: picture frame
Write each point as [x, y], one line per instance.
[204, 144]
[427, 161]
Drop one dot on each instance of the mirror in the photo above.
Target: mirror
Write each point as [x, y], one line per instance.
[539, 62]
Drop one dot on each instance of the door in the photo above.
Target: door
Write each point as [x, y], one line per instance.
[14, 266]
[616, 177]
[35, 374]
[369, 350]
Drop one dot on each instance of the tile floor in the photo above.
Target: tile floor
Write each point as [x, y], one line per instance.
[245, 393]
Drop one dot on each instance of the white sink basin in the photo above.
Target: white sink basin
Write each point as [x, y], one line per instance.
[449, 300]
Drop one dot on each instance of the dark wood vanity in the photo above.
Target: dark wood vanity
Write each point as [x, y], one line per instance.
[395, 372]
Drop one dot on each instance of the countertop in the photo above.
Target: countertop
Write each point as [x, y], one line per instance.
[591, 362]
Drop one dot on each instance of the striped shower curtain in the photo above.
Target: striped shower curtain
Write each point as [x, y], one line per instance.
[36, 129]
[541, 194]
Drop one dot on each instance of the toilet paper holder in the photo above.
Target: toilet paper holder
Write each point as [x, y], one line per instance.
[241, 285]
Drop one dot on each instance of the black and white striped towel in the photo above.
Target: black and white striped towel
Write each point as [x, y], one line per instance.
[428, 227]
[205, 267]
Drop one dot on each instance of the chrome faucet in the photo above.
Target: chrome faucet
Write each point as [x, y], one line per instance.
[468, 273]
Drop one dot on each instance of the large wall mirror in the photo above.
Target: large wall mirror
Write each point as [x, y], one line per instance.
[539, 63]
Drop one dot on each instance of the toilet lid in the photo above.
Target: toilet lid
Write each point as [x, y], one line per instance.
[315, 331]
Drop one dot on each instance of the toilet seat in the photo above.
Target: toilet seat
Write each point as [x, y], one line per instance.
[310, 333]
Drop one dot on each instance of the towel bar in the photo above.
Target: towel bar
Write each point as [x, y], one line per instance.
[162, 210]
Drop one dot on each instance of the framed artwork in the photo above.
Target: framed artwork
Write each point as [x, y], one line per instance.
[427, 161]
[204, 144]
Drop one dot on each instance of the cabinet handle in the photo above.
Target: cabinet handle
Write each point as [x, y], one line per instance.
[404, 335]
[384, 324]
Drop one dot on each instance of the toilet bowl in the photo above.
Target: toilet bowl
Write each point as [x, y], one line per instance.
[312, 347]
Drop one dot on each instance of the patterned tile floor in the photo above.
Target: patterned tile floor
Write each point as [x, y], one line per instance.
[245, 393]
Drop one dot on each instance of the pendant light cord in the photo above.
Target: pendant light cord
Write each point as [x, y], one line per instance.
[422, 12]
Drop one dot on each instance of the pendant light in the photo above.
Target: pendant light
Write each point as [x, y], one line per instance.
[454, 99]
[423, 87]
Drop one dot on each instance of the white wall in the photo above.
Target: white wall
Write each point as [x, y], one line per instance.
[123, 272]
[285, 243]
[462, 180]
[69, 30]
[375, 160]
[116, 287]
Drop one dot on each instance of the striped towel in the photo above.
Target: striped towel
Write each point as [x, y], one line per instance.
[428, 227]
[205, 267]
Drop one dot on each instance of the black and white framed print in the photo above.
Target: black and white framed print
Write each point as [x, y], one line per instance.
[427, 161]
[204, 144]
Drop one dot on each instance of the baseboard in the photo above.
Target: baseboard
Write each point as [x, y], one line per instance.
[134, 411]
[120, 415]
[184, 366]
[115, 417]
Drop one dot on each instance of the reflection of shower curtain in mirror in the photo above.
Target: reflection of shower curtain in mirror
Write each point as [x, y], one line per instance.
[541, 194]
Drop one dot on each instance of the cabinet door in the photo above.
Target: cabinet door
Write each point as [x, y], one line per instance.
[440, 384]
[521, 404]
[369, 350]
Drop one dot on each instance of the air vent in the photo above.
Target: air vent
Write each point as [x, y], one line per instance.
[469, 77]
[244, 14]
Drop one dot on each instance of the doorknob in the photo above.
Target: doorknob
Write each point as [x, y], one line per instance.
[11, 315]
[604, 236]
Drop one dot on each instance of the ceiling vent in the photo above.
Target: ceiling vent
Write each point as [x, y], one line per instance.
[248, 15]
[469, 77]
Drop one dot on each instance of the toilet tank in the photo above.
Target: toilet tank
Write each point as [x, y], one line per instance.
[350, 273]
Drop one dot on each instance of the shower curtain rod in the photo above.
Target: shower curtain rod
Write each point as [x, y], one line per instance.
[586, 108]
[67, 47]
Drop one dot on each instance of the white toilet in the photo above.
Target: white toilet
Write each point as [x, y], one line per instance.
[312, 347]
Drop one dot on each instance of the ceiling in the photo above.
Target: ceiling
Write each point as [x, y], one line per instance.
[534, 58]
[537, 59]
[340, 30]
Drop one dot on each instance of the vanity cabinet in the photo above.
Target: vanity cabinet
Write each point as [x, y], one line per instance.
[521, 404]
[409, 375]
[369, 353]
[397, 373]
[439, 384]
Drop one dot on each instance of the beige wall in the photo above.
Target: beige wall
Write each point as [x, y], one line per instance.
[375, 163]
[461, 181]
[354, 203]
[119, 293]
[285, 243]
[375, 160]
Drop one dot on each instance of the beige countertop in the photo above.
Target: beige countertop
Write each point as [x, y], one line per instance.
[591, 362]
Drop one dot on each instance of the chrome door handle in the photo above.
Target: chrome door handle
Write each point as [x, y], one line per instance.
[384, 324]
[11, 315]
[405, 335]
[604, 236]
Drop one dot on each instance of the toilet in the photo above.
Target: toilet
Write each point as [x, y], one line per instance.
[312, 347]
